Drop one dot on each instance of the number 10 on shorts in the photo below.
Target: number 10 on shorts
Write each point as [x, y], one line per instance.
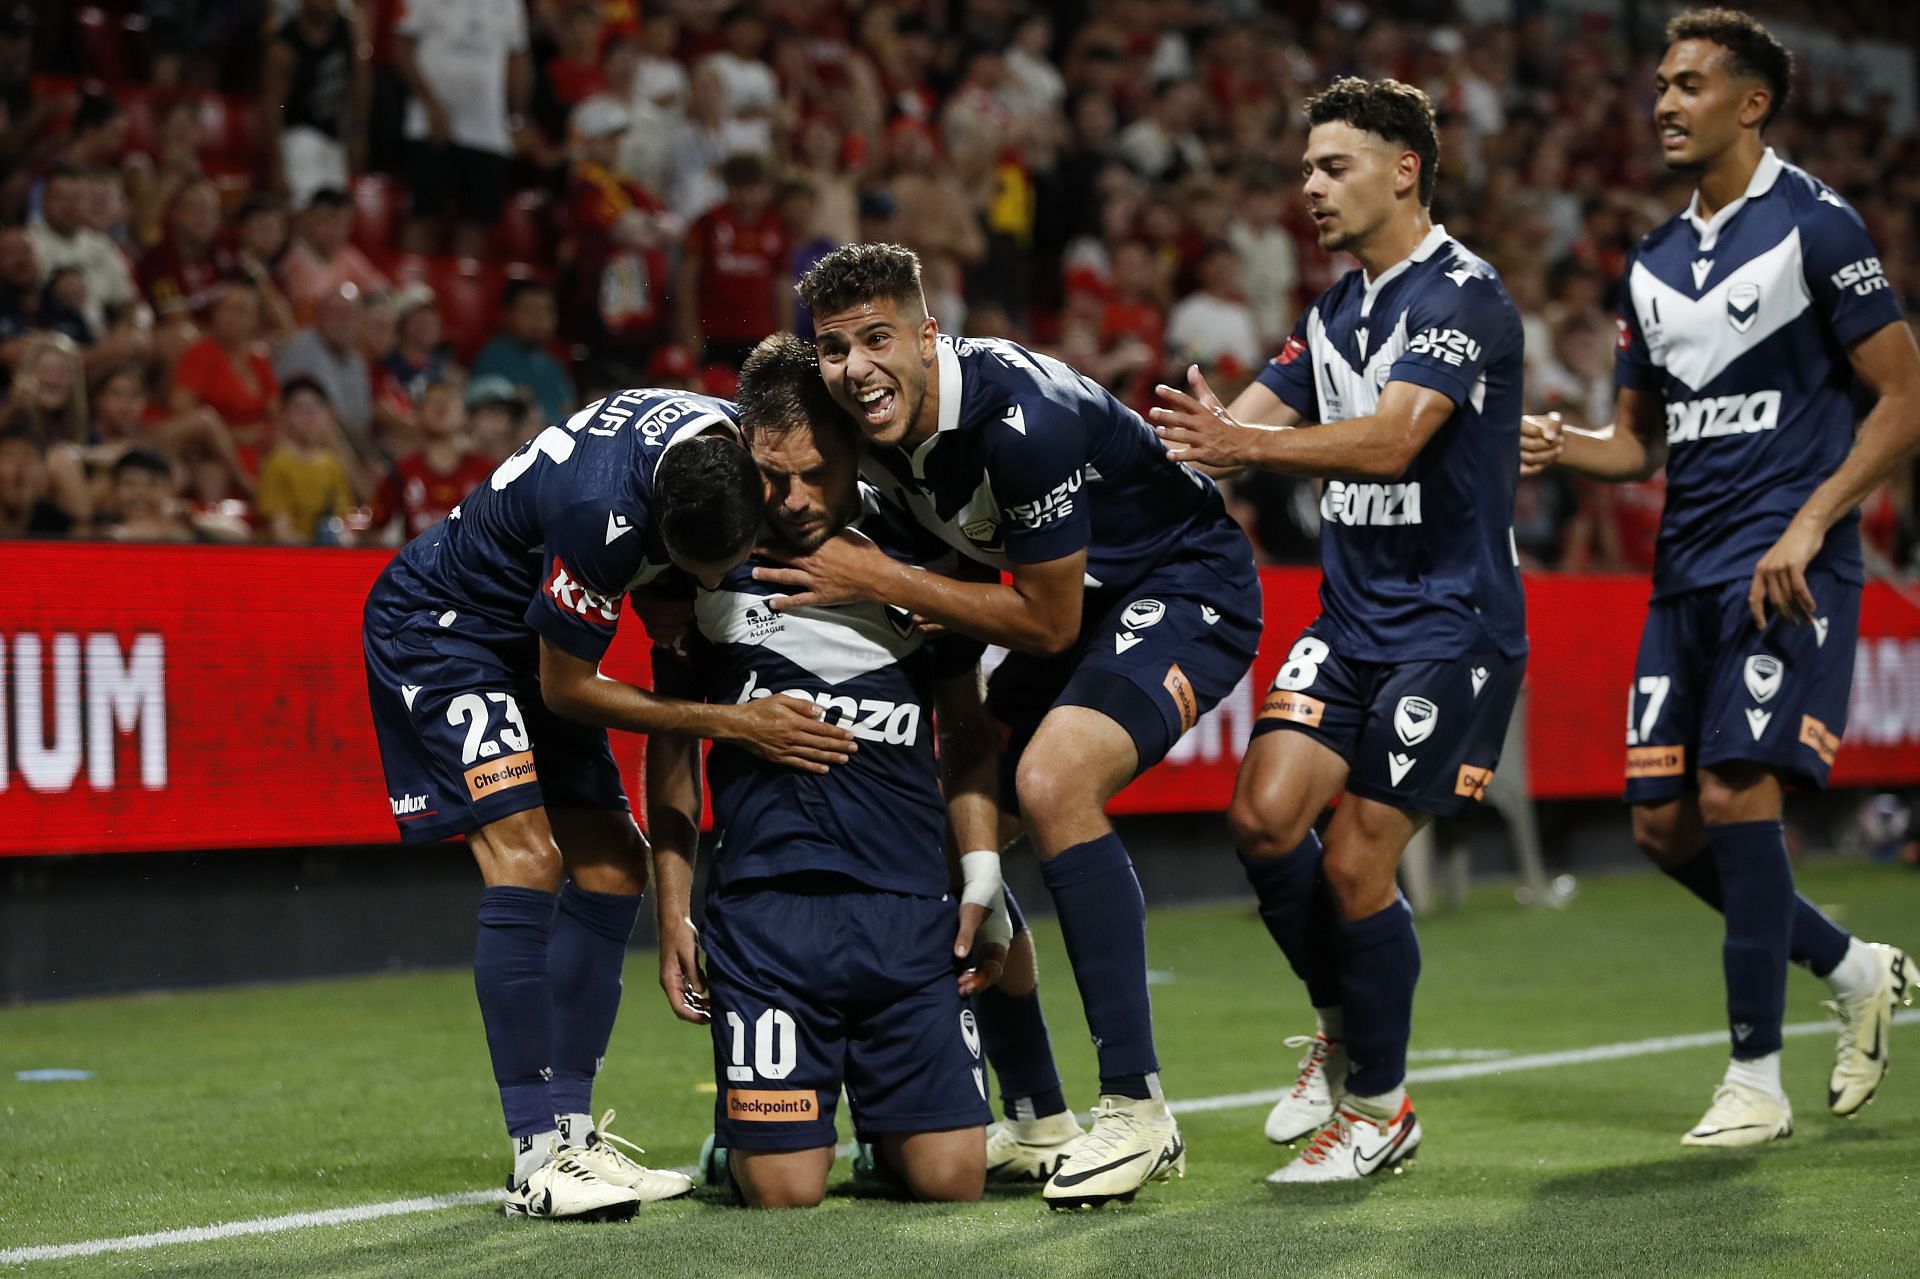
[776, 1047]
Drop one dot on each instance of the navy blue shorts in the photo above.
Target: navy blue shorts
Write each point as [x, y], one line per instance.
[1423, 736]
[465, 736]
[817, 981]
[1153, 659]
[1711, 688]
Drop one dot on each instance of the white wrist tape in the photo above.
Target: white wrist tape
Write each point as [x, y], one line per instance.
[979, 877]
[997, 928]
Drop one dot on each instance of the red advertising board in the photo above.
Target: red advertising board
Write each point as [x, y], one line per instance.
[196, 697]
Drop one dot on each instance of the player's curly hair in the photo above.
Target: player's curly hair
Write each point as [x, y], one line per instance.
[780, 388]
[856, 273]
[707, 497]
[1397, 112]
[1754, 50]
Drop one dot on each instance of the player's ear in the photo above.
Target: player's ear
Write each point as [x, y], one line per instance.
[929, 330]
[1754, 106]
[1406, 174]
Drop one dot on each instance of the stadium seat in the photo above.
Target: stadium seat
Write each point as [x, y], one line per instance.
[467, 289]
[228, 131]
[524, 231]
[109, 45]
[379, 204]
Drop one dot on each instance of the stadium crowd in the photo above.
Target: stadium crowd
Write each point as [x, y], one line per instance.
[303, 270]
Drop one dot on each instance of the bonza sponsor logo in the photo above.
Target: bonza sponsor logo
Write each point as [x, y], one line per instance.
[1718, 415]
[872, 719]
[1055, 504]
[1376, 505]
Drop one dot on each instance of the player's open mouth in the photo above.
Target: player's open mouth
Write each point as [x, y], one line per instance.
[876, 404]
[1672, 136]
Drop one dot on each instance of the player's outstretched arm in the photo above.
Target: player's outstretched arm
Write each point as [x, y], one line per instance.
[1198, 431]
[970, 780]
[673, 826]
[784, 730]
[1039, 612]
[1256, 403]
[1605, 453]
[1888, 362]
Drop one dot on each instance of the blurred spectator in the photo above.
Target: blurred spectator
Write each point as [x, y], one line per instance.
[495, 411]
[573, 73]
[328, 353]
[519, 353]
[228, 371]
[1269, 264]
[822, 165]
[660, 79]
[143, 505]
[61, 239]
[417, 360]
[49, 397]
[707, 137]
[427, 484]
[618, 276]
[103, 207]
[182, 273]
[96, 136]
[24, 306]
[25, 507]
[673, 369]
[467, 64]
[939, 215]
[1215, 323]
[733, 268]
[322, 260]
[304, 494]
[212, 495]
[645, 154]
[796, 205]
[259, 245]
[152, 181]
[1162, 144]
[312, 98]
[752, 92]
[24, 114]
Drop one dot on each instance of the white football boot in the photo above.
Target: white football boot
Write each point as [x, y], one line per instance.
[604, 1158]
[1317, 1089]
[1031, 1149]
[1132, 1142]
[1352, 1146]
[1860, 1059]
[565, 1189]
[1741, 1116]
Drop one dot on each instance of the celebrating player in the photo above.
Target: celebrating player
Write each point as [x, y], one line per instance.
[1133, 607]
[1733, 324]
[1400, 692]
[483, 641]
[831, 939]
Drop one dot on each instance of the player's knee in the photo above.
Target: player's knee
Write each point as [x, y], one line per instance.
[948, 1180]
[1360, 886]
[1738, 792]
[1048, 788]
[780, 1190]
[1654, 831]
[523, 864]
[1263, 827]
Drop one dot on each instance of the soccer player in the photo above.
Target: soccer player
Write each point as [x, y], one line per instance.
[1747, 323]
[1396, 699]
[1132, 607]
[483, 640]
[830, 934]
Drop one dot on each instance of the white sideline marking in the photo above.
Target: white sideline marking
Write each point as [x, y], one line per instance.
[1470, 1069]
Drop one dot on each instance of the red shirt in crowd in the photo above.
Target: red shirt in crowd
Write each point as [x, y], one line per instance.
[626, 285]
[738, 263]
[176, 283]
[422, 496]
[205, 370]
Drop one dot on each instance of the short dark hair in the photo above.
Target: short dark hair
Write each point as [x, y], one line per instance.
[96, 109]
[743, 169]
[856, 273]
[329, 198]
[780, 388]
[1755, 51]
[515, 289]
[1389, 109]
[707, 494]
[140, 458]
[304, 383]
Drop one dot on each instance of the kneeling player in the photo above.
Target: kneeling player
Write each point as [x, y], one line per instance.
[830, 934]
[483, 639]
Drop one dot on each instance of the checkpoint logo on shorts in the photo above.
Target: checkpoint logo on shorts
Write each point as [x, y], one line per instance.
[1817, 737]
[1296, 707]
[500, 774]
[1181, 690]
[1473, 782]
[763, 1105]
[1656, 761]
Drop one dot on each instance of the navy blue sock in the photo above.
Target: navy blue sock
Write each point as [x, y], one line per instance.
[1103, 919]
[510, 976]
[1299, 915]
[584, 960]
[1818, 943]
[1757, 881]
[1014, 1033]
[1379, 964]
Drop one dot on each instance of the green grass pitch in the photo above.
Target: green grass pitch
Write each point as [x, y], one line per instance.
[227, 1105]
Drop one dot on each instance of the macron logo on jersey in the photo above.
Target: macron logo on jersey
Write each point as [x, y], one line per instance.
[1717, 415]
[571, 597]
[1377, 505]
[618, 526]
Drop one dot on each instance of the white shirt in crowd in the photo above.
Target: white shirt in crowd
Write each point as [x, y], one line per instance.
[1207, 327]
[461, 48]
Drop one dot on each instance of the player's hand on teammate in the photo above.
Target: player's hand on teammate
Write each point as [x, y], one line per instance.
[1197, 428]
[841, 570]
[680, 974]
[787, 730]
[989, 958]
[1541, 441]
[1780, 578]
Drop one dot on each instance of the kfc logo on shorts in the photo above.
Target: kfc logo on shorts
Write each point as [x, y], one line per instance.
[1762, 675]
[571, 597]
[1414, 719]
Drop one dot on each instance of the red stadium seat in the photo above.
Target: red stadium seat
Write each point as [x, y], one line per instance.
[524, 230]
[228, 134]
[379, 203]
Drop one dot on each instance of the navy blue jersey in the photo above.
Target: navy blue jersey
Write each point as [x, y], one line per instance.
[1421, 568]
[1742, 325]
[1032, 462]
[879, 818]
[549, 546]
